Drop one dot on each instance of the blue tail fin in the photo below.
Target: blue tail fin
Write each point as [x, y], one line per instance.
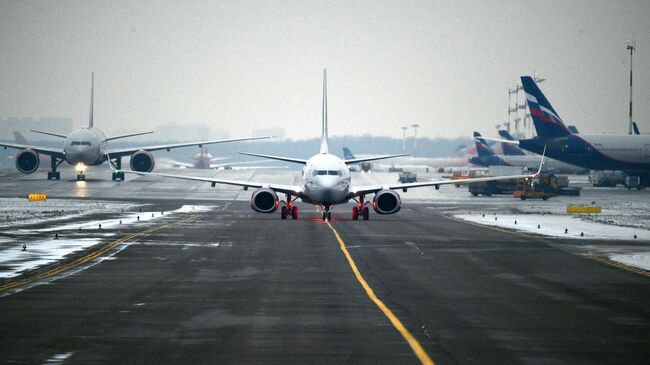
[347, 154]
[547, 123]
[506, 135]
[482, 148]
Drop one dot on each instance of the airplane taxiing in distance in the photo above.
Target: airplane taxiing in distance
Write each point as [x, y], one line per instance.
[327, 182]
[88, 146]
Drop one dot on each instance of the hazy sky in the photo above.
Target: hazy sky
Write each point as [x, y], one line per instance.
[242, 65]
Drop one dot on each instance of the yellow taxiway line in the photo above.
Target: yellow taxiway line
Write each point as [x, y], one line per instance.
[88, 257]
[399, 326]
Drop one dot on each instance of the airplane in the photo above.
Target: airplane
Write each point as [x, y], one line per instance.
[625, 152]
[327, 182]
[363, 166]
[205, 161]
[88, 146]
[487, 157]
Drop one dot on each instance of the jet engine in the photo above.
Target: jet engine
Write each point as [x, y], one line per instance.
[142, 161]
[386, 202]
[27, 161]
[264, 201]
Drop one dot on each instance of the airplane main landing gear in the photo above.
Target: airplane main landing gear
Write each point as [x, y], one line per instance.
[54, 163]
[289, 209]
[118, 175]
[361, 210]
[117, 163]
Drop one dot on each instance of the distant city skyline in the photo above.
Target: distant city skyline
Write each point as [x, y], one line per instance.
[242, 67]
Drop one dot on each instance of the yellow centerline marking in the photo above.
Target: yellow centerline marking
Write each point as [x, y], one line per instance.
[618, 264]
[88, 257]
[410, 339]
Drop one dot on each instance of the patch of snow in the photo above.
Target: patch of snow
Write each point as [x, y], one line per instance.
[640, 260]
[555, 225]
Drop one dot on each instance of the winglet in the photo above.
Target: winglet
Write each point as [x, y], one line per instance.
[324, 148]
[92, 100]
[541, 162]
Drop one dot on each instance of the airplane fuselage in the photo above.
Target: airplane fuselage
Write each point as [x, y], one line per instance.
[630, 153]
[85, 146]
[326, 180]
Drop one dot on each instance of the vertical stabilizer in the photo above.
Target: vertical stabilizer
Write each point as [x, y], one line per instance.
[482, 148]
[92, 100]
[324, 148]
[547, 122]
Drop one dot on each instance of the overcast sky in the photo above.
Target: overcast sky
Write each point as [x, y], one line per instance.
[243, 65]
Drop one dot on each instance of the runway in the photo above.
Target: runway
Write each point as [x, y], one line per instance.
[231, 286]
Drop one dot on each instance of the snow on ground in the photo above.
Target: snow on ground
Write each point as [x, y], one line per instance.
[640, 260]
[15, 211]
[555, 225]
[39, 252]
[577, 228]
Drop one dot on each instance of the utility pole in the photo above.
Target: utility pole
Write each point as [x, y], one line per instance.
[415, 139]
[631, 45]
[404, 139]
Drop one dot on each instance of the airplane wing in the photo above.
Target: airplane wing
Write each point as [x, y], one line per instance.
[120, 152]
[286, 189]
[288, 159]
[405, 186]
[48, 151]
[373, 189]
[372, 158]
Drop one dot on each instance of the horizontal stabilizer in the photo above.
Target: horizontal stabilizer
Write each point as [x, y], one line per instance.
[373, 158]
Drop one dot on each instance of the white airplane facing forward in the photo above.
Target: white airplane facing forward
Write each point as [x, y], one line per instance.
[327, 182]
[88, 147]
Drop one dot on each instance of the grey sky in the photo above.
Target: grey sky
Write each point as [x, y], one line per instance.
[241, 65]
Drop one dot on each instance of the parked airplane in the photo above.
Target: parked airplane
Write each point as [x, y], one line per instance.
[326, 182]
[88, 147]
[510, 149]
[487, 157]
[625, 152]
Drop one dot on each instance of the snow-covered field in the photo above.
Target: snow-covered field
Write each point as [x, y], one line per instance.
[19, 211]
[39, 251]
[558, 225]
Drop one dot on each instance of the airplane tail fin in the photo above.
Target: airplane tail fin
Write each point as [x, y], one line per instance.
[547, 123]
[324, 145]
[347, 154]
[20, 138]
[505, 134]
[573, 129]
[482, 148]
[92, 100]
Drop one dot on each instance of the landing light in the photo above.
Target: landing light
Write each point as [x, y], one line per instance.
[80, 167]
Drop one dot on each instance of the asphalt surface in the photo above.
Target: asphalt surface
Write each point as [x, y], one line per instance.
[233, 286]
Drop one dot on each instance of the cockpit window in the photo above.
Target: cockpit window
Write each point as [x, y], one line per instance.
[328, 172]
[78, 143]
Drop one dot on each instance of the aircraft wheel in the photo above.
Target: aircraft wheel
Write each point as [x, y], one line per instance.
[294, 213]
[283, 212]
[355, 213]
[366, 213]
